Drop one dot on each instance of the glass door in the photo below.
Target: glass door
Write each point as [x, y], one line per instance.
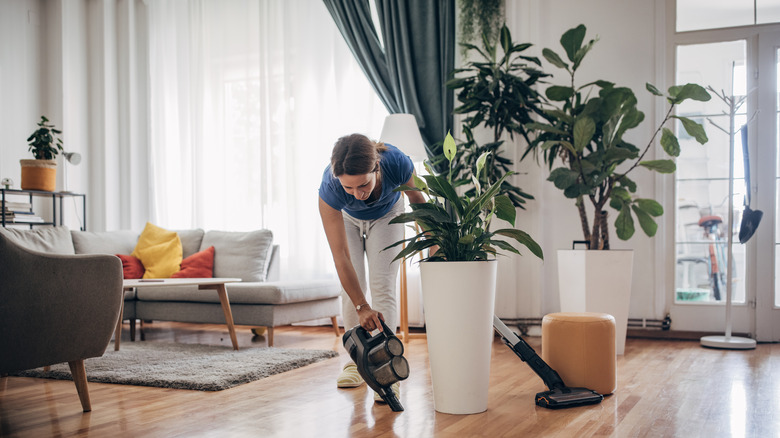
[768, 193]
[704, 267]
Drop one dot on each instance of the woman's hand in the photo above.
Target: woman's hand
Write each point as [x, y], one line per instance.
[370, 319]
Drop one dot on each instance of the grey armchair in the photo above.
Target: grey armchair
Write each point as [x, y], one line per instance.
[56, 308]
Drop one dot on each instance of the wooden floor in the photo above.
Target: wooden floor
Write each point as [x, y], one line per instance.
[665, 389]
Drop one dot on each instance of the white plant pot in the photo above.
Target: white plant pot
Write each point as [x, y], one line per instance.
[597, 281]
[459, 299]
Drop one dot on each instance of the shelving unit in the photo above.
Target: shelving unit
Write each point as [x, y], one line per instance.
[56, 206]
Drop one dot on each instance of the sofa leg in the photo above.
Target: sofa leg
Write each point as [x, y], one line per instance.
[335, 325]
[270, 336]
[80, 379]
[132, 329]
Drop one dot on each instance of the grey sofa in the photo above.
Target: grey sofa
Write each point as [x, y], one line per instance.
[56, 308]
[260, 300]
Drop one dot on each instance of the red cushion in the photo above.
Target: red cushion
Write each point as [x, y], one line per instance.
[132, 267]
[198, 265]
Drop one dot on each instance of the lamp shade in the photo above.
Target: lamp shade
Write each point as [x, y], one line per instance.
[73, 157]
[401, 131]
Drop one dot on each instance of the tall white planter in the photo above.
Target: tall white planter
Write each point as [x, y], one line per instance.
[597, 281]
[459, 298]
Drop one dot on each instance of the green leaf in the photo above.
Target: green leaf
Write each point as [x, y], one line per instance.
[506, 39]
[523, 238]
[449, 147]
[694, 129]
[679, 94]
[660, 166]
[563, 177]
[505, 210]
[650, 206]
[558, 93]
[554, 59]
[580, 55]
[571, 40]
[624, 224]
[669, 143]
[652, 88]
[645, 221]
[584, 128]
[420, 183]
[481, 161]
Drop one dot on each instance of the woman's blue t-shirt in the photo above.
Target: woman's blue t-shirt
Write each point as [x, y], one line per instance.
[396, 168]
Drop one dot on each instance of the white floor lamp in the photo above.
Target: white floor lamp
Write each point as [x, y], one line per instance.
[402, 131]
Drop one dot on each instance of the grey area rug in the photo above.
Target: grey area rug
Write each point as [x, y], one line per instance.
[186, 366]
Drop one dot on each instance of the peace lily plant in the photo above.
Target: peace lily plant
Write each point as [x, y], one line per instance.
[459, 225]
[583, 129]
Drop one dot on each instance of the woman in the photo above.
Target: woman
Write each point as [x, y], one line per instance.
[356, 204]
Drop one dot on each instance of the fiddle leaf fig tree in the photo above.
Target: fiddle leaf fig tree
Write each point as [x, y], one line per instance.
[583, 134]
[496, 92]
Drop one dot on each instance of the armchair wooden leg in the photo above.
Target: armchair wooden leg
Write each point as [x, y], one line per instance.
[80, 379]
[335, 325]
[270, 336]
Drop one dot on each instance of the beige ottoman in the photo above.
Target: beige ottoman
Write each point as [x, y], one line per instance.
[581, 348]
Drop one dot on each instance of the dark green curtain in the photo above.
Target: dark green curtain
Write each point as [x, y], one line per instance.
[419, 53]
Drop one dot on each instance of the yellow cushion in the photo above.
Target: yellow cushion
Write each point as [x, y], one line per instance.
[159, 250]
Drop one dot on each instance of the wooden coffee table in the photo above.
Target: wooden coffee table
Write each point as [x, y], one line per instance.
[217, 284]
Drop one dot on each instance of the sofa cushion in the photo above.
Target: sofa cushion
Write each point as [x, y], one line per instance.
[52, 240]
[104, 242]
[282, 292]
[198, 265]
[241, 255]
[132, 268]
[159, 250]
[190, 241]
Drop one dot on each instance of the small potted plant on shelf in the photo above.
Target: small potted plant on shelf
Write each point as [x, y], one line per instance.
[583, 133]
[459, 279]
[44, 143]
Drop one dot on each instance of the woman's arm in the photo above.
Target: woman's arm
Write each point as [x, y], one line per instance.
[333, 222]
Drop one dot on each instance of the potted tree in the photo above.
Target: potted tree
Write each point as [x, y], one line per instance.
[44, 143]
[583, 130]
[459, 279]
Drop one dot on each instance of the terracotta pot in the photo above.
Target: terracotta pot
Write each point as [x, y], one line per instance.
[39, 175]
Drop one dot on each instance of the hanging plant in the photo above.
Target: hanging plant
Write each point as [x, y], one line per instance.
[477, 18]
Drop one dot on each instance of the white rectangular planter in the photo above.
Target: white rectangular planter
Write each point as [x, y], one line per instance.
[597, 281]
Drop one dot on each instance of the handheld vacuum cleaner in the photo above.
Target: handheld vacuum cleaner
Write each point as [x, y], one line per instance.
[379, 360]
[559, 396]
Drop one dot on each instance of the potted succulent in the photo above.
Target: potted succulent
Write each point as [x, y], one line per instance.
[583, 130]
[44, 143]
[459, 279]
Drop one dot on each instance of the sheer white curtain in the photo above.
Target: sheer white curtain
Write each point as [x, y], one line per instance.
[247, 99]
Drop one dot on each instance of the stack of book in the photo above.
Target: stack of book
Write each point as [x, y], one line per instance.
[20, 213]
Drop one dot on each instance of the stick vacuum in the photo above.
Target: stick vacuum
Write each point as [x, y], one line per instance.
[379, 360]
[559, 396]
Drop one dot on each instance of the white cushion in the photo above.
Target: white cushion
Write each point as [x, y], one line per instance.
[243, 255]
[51, 240]
[104, 242]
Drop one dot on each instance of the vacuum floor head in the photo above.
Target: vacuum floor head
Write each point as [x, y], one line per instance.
[560, 398]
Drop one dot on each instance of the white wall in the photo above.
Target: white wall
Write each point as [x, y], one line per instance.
[22, 80]
[626, 55]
